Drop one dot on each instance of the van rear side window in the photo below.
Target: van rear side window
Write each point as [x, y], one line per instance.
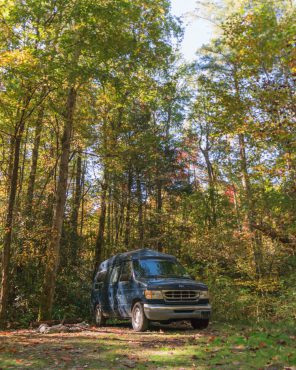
[126, 272]
[114, 275]
[101, 276]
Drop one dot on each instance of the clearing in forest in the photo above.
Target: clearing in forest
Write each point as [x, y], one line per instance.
[163, 347]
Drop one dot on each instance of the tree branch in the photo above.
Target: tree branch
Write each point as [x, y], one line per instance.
[275, 235]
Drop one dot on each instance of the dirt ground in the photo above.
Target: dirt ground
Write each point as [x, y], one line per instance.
[162, 347]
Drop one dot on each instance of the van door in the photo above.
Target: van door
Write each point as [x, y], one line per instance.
[125, 290]
[112, 290]
[99, 290]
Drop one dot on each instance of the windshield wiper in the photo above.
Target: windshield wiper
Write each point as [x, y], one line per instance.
[168, 276]
[178, 276]
[157, 276]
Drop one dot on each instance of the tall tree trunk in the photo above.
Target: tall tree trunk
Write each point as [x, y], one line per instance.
[35, 154]
[140, 212]
[83, 196]
[159, 215]
[128, 209]
[75, 209]
[53, 250]
[109, 222]
[7, 239]
[121, 216]
[211, 178]
[22, 166]
[102, 221]
[116, 220]
[249, 201]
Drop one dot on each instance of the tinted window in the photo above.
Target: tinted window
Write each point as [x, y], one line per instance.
[126, 272]
[114, 275]
[100, 276]
[159, 268]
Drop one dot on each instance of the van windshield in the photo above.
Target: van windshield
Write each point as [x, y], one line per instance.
[159, 268]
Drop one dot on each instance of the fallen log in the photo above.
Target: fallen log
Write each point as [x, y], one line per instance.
[36, 324]
[62, 328]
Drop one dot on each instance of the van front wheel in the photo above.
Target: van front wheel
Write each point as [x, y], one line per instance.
[139, 320]
[100, 320]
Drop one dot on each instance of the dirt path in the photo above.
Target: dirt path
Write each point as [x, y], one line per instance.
[118, 347]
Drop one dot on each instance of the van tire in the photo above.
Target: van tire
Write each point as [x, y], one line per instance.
[139, 320]
[100, 320]
[200, 323]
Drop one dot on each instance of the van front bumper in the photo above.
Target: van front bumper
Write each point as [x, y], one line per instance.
[162, 312]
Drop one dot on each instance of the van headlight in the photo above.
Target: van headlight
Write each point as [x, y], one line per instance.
[153, 294]
[204, 294]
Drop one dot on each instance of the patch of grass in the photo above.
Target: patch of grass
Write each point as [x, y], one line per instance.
[118, 347]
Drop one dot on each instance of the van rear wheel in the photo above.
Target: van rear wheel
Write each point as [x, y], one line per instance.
[200, 323]
[139, 320]
[100, 320]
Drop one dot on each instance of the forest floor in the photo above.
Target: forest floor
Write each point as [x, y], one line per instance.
[221, 346]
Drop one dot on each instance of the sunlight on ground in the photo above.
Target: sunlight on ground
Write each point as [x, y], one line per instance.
[119, 347]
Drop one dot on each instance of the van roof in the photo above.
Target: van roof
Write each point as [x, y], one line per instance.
[133, 255]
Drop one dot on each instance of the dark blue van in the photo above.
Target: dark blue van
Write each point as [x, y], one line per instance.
[145, 285]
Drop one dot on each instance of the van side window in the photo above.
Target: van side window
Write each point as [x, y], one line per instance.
[114, 274]
[100, 276]
[126, 272]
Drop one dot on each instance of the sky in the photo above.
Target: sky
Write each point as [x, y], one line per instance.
[197, 31]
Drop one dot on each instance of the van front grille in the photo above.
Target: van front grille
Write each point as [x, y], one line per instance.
[180, 295]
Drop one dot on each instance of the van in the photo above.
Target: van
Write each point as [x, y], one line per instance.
[146, 285]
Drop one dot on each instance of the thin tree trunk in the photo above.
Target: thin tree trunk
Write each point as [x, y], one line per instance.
[108, 239]
[251, 217]
[83, 196]
[159, 215]
[22, 167]
[75, 209]
[121, 217]
[7, 239]
[211, 178]
[101, 231]
[128, 209]
[109, 208]
[53, 251]
[250, 205]
[140, 212]
[116, 220]
[35, 155]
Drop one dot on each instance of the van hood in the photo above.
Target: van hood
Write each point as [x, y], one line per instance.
[175, 284]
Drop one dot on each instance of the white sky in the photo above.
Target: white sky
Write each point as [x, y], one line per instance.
[197, 32]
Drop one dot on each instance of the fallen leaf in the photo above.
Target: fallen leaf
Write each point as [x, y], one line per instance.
[68, 347]
[238, 348]
[64, 358]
